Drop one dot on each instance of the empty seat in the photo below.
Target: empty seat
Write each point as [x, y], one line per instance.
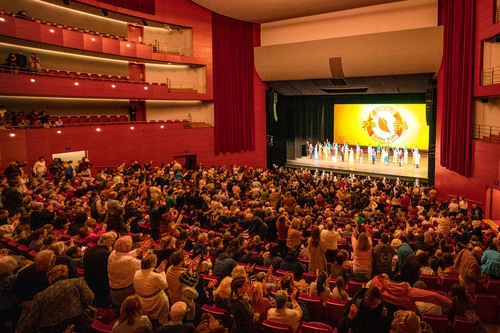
[123, 118]
[103, 119]
[314, 307]
[353, 286]
[439, 323]
[309, 277]
[93, 119]
[431, 281]
[334, 310]
[74, 120]
[315, 327]
[462, 325]
[269, 326]
[447, 282]
[486, 307]
[493, 288]
[84, 120]
[113, 119]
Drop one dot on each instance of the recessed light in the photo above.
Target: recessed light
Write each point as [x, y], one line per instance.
[145, 88]
[162, 126]
[113, 86]
[52, 30]
[92, 39]
[33, 80]
[12, 135]
[131, 127]
[59, 132]
[98, 129]
[76, 83]
[2, 19]
[128, 45]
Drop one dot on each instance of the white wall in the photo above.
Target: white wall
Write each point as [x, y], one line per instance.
[403, 15]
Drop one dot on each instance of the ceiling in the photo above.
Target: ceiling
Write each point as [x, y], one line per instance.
[264, 11]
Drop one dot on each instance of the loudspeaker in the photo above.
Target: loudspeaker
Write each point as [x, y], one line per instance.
[430, 106]
[484, 100]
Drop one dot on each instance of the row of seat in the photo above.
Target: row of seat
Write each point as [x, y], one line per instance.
[67, 120]
[67, 27]
[444, 284]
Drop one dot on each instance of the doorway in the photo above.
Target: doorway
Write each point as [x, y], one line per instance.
[136, 72]
[188, 162]
[492, 207]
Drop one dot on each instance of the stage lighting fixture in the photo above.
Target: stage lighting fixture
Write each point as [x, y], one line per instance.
[104, 12]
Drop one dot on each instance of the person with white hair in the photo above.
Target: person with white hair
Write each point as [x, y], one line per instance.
[176, 324]
[281, 314]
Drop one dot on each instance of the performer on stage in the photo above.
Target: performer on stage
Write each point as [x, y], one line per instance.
[316, 151]
[351, 155]
[385, 154]
[310, 150]
[342, 152]
[378, 151]
[335, 149]
[395, 152]
[400, 157]
[357, 150]
[405, 158]
[416, 158]
[413, 152]
[360, 155]
[374, 155]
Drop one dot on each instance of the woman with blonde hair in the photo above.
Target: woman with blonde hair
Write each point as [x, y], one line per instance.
[362, 255]
[131, 317]
[406, 321]
[222, 293]
[259, 302]
[293, 235]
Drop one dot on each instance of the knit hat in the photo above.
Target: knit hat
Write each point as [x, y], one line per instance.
[189, 279]
[7, 264]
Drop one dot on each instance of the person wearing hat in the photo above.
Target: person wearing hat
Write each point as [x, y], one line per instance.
[9, 301]
[189, 293]
[63, 303]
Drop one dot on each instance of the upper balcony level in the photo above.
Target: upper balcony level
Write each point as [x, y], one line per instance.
[133, 42]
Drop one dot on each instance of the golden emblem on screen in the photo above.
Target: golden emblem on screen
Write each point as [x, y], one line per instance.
[385, 124]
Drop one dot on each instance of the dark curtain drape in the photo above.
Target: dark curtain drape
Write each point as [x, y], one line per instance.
[458, 77]
[144, 6]
[232, 50]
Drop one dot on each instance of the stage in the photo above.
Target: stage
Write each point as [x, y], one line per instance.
[407, 172]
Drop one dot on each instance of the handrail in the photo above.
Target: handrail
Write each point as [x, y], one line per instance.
[490, 76]
[468, 200]
[486, 133]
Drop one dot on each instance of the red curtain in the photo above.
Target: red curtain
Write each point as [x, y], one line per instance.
[458, 18]
[145, 6]
[233, 64]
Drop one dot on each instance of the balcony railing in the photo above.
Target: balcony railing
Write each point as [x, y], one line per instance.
[490, 76]
[486, 133]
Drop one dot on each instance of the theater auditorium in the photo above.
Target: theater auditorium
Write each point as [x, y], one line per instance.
[249, 166]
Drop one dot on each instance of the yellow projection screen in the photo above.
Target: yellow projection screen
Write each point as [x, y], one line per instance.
[394, 125]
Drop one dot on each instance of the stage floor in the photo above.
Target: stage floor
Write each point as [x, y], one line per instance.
[407, 172]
